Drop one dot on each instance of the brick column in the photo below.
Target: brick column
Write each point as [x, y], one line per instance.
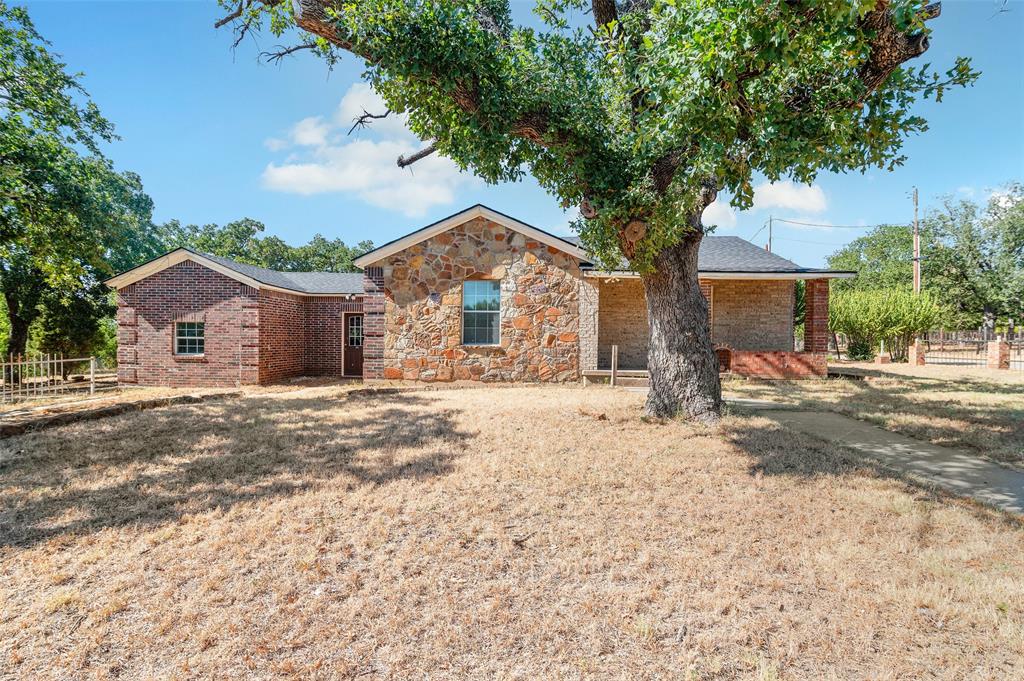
[998, 354]
[915, 353]
[127, 338]
[588, 323]
[373, 323]
[816, 316]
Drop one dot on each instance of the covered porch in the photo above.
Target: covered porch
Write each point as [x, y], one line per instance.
[752, 325]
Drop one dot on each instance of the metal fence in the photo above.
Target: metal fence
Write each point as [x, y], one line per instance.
[45, 376]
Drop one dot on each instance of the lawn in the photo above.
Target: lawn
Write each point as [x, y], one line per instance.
[518, 533]
[976, 409]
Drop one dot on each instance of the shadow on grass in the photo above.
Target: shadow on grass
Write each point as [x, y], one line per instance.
[151, 467]
[901, 396]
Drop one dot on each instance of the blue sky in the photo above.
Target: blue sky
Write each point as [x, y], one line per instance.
[217, 135]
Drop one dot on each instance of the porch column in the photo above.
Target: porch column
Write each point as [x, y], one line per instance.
[373, 322]
[816, 316]
[588, 323]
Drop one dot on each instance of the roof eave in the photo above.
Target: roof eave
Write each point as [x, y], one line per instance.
[719, 274]
[445, 224]
[171, 258]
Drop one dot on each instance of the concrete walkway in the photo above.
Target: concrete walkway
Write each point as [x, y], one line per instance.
[957, 471]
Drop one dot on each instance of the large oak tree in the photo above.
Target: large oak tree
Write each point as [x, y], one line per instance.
[640, 112]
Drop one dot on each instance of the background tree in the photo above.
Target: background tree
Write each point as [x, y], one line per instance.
[641, 117]
[977, 260]
[883, 259]
[972, 259]
[241, 241]
[65, 210]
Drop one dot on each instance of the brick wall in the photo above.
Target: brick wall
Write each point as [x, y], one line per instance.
[745, 315]
[752, 315]
[373, 323]
[281, 334]
[816, 316]
[324, 334]
[779, 364]
[149, 309]
[622, 321]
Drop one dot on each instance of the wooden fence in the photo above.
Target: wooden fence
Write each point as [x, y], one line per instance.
[44, 376]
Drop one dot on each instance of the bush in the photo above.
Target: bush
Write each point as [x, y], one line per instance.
[895, 317]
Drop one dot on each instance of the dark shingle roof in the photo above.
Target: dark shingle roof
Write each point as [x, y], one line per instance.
[302, 282]
[734, 254]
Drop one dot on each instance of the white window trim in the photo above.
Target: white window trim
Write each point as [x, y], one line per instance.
[178, 337]
[462, 317]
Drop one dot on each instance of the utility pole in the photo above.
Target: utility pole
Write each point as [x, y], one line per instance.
[917, 250]
[770, 218]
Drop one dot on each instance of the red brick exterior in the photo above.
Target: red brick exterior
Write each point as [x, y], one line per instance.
[148, 310]
[252, 336]
[281, 330]
[778, 364]
[816, 316]
[373, 323]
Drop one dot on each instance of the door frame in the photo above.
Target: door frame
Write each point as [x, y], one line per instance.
[344, 341]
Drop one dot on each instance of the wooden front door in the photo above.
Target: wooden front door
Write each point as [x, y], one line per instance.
[353, 344]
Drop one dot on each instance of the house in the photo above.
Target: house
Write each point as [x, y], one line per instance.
[477, 296]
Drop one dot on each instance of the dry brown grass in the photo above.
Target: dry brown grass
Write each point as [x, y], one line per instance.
[977, 409]
[521, 533]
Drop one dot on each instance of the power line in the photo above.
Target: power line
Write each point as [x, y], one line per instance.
[805, 241]
[821, 224]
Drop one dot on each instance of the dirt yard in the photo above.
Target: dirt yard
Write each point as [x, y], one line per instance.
[977, 409]
[481, 533]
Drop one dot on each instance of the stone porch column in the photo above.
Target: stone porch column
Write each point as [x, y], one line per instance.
[588, 323]
[816, 316]
[998, 354]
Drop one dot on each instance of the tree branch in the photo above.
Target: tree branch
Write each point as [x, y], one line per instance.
[364, 119]
[406, 161]
[282, 52]
[605, 12]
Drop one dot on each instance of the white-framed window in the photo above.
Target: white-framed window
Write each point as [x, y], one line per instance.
[355, 331]
[481, 312]
[189, 338]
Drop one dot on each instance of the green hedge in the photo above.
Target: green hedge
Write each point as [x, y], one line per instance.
[892, 316]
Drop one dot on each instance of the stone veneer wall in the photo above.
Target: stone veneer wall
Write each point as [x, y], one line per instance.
[540, 291]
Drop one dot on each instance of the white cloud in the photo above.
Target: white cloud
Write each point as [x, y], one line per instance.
[330, 161]
[966, 191]
[791, 196]
[310, 132]
[719, 213]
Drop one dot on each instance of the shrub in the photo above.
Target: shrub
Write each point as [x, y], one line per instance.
[869, 318]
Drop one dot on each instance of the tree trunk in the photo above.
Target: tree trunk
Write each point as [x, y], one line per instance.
[681, 360]
[18, 340]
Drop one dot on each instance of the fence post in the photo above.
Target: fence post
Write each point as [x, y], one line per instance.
[615, 364]
[92, 375]
[998, 355]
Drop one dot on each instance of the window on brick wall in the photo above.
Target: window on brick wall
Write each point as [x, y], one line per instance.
[189, 338]
[481, 312]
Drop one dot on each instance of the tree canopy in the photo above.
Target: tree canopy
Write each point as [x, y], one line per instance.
[241, 240]
[972, 258]
[645, 114]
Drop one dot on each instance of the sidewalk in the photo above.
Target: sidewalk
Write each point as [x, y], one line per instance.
[957, 471]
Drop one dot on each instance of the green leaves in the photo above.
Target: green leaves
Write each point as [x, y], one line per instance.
[894, 317]
[641, 114]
